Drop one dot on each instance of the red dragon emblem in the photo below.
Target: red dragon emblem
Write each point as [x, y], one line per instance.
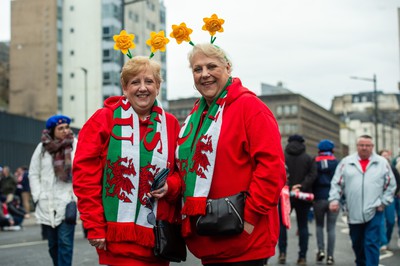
[117, 178]
[147, 174]
[200, 159]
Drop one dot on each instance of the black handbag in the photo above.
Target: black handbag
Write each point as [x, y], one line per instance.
[169, 243]
[70, 213]
[224, 216]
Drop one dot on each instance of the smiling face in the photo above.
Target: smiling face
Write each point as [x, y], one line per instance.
[211, 70]
[140, 81]
[210, 76]
[141, 91]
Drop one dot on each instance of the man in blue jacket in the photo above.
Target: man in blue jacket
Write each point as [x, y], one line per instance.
[368, 184]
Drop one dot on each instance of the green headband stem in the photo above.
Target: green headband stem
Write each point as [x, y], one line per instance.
[129, 54]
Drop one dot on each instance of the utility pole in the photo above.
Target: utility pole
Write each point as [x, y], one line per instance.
[375, 99]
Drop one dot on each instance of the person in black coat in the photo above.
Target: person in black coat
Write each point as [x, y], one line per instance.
[302, 174]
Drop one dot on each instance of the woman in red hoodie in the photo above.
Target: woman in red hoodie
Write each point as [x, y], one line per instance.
[121, 148]
[229, 143]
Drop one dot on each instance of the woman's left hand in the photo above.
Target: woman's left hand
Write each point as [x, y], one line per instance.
[248, 227]
[159, 193]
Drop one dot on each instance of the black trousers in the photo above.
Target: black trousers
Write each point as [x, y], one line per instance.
[260, 262]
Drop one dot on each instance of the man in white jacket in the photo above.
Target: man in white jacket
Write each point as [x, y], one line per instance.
[367, 182]
[50, 179]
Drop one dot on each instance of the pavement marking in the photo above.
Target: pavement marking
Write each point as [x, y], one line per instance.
[24, 244]
[386, 255]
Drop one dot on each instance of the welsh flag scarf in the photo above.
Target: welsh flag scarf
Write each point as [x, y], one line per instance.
[197, 149]
[129, 172]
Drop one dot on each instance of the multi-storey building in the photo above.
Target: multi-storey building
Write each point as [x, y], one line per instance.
[297, 114]
[357, 113]
[4, 75]
[61, 54]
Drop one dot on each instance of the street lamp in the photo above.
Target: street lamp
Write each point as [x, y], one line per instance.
[375, 106]
[85, 72]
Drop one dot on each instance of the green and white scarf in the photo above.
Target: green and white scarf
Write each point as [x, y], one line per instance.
[129, 172]
[197, 150]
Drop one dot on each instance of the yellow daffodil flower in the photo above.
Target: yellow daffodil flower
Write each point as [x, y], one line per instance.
[213, 24]
[181, 33]
[157, 41]
[124, 42]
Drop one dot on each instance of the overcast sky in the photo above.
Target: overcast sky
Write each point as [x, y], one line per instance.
[312, 46]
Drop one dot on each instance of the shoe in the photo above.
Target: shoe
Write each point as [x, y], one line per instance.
[12, 228]
[282, 258]
[320, 256]
[301, 261]
[330, 260]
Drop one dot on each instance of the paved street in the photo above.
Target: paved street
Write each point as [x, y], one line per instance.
[24, 248]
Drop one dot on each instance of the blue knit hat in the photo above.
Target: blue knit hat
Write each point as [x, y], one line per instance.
[56, 120]
[326, 145]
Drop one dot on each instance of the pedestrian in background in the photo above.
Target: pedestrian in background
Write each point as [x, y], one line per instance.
[388, 220]
[302, 174]
[8, 184]
[368, 183]
[50, 179]
[23, 188]
[326, 166]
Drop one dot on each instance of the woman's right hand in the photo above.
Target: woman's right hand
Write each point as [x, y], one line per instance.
[99, 243]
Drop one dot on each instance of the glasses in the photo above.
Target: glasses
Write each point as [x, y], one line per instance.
[365, 145]
[151, 218]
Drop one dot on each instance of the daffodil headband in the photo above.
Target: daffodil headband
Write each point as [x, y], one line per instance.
[182, 33]
[124, 42]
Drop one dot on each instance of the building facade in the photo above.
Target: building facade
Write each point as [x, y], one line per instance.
[62, 58]
[357, 113]
[4, 75]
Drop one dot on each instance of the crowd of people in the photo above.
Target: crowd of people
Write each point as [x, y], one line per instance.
[365, 184]
[229, 145]
[15, 198]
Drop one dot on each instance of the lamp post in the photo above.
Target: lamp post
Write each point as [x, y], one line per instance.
[375, 107]
[85, 72]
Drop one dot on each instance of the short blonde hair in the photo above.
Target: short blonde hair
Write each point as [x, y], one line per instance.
[209, 50]
[138, 64]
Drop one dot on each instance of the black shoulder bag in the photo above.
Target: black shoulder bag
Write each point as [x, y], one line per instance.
[224, 216]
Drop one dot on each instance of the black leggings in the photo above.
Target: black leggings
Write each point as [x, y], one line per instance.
[260, 262]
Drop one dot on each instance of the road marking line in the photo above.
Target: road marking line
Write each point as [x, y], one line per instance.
[25, 244]
[386, 255]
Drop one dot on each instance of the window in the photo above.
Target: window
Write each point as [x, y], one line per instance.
[72, 52]
[71, 8]
[106, 55]
[106, 32]
[286, 109]
[71, 30]
[294, 109]
[279, 110]
[72, 75]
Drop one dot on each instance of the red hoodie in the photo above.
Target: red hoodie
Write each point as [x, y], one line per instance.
[249, 158]
[88, 168]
